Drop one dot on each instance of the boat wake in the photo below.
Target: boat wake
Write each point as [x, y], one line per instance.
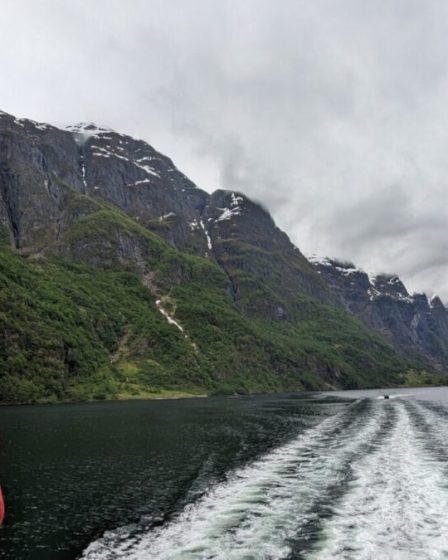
[396, 506]
[367, 483]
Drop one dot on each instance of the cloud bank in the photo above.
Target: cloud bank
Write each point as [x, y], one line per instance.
[332, 113]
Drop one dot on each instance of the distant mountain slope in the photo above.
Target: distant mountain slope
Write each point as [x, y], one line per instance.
[413, 324]
[120, 277]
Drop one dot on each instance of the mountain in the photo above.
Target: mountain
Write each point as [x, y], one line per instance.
[416, 326]
[119, 277]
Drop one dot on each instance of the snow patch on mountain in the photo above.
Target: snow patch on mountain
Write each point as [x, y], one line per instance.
[316, 259]
[138, 183]
[373, 293]
[40, 126]
[234, 208]
[380, 285]
[207, 236]
[85, 130]
[345, 268]
[141, 163]
[118, 152]
[27, 123]
[199, 224]
[166, 216]
[436, 303]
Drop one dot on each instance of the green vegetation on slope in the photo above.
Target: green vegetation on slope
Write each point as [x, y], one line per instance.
[63, 324]
[70, 331]
[83, 322]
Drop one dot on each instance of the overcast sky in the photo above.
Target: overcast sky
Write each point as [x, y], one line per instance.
[332, 113]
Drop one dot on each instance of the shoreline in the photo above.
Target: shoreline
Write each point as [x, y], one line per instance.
[181, 395]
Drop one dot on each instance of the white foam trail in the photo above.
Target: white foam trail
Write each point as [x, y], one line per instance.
[432, 425]
[263, 505]
[397, 507]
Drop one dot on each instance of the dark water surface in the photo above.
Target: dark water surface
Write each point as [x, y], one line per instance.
[341, 475]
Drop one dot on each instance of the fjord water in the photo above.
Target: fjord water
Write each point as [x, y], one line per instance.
[344, 475]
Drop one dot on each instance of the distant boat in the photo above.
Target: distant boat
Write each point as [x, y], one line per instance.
[2, 507]
[386, 396]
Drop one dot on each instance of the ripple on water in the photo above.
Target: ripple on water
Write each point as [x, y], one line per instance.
[364, 484]
[263, 510]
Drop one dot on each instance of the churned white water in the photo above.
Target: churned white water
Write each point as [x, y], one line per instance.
[367, 483]
[397, 505]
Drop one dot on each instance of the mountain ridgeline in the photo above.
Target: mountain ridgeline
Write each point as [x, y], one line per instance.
[120, 278]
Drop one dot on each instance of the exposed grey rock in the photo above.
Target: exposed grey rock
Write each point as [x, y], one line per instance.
[38, 164]
[57, 186]
[258, 257]
[142, 182]
[382, 302]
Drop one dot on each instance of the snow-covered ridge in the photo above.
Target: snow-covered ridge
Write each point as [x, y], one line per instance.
[372, 277]
[316, 259]
[436, 303]
[35, 124]
[22, 122]
[345, 268]
[380, 285]
[391, 285]
[83, 131]
[109, 144]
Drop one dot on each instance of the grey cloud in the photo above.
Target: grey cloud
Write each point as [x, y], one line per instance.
[332, 113]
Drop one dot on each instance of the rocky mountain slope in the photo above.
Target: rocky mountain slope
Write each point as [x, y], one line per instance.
[415, 325]
[119, 277]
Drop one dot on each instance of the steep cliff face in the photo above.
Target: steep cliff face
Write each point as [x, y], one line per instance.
[413, 324]
[54, 183]
[265, 269]
[37, 161]
[43, 167]
[119, 276]
[142, 182]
